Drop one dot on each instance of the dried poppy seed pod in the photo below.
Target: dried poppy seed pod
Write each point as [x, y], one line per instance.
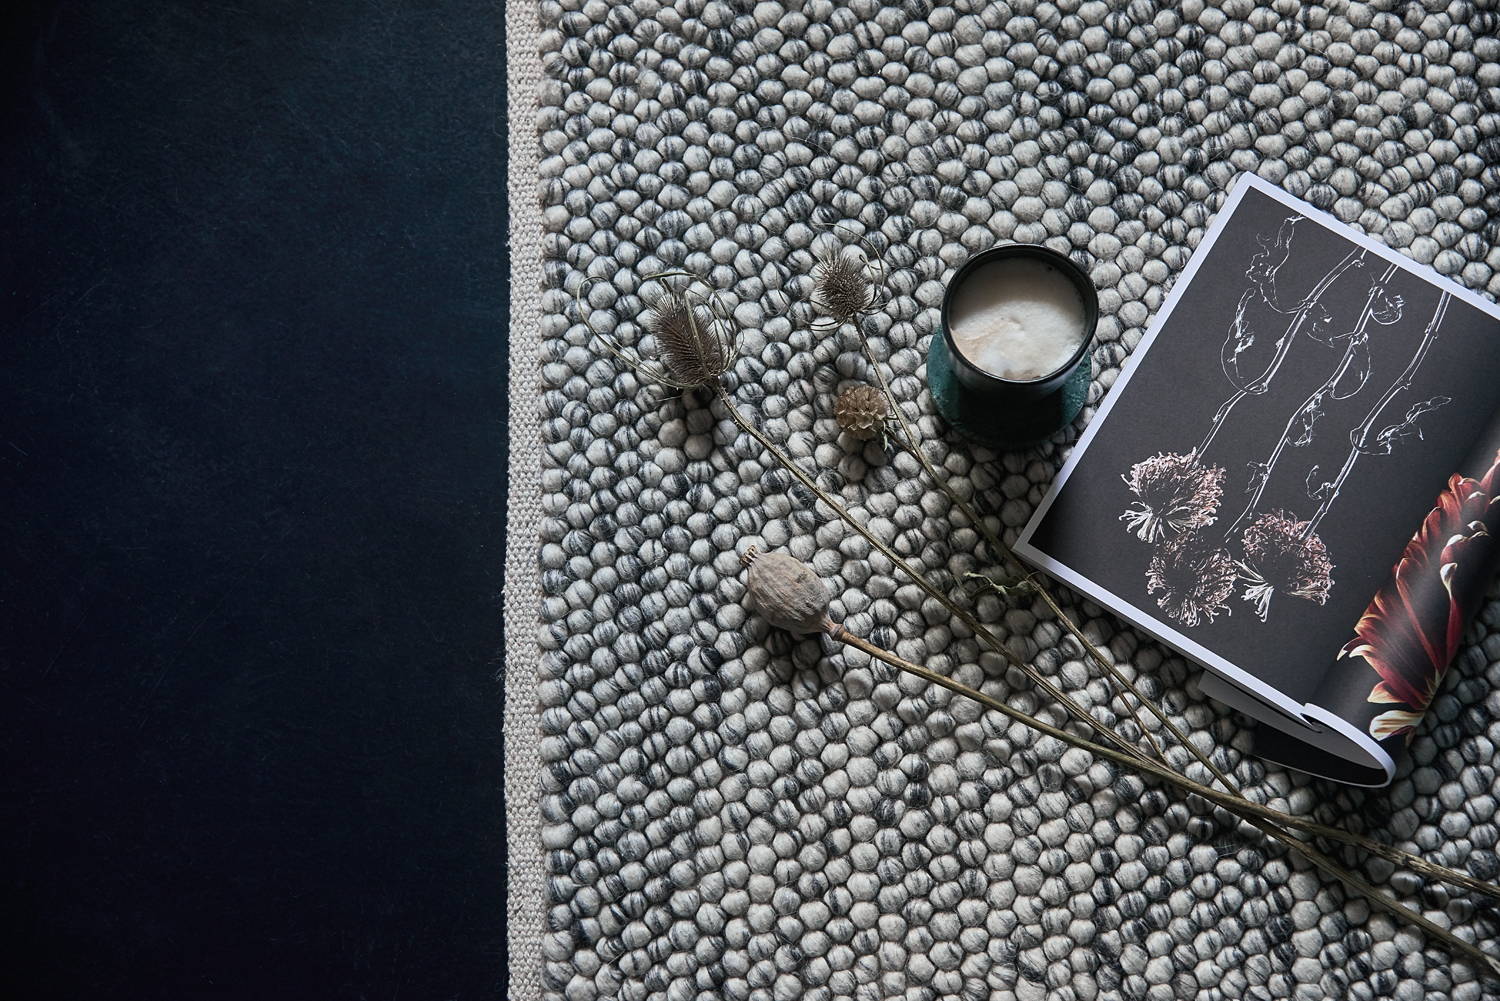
[787, 592]
[861, 411]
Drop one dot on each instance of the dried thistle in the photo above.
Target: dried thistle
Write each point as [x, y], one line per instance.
[1195, 579]
[861, 411]
[690, 353]
[691, 324]
[1174, 493]
[842, 288]
[1282, 556]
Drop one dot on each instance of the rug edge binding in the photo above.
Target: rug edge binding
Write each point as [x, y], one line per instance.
[524, 861]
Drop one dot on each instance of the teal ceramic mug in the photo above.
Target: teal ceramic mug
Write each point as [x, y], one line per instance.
[1010, 413]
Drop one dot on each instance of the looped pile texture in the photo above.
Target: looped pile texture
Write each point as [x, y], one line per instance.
[728, 813]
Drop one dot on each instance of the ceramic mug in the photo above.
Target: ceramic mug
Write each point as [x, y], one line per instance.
[1010, 413]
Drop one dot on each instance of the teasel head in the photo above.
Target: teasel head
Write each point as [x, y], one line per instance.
[847, 280]
[691, 324]
[842, 289]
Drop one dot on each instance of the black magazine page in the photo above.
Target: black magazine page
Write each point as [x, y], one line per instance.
[1411, 634]
[1282, 428]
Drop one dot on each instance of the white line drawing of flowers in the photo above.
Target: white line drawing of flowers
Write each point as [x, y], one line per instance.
[1177, 495]
[1174, 493]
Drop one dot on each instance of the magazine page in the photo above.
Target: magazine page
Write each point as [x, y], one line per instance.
[1397, 654]
[1290, 416]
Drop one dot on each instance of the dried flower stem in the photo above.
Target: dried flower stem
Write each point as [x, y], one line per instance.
[918, 578]
[1128, 753]
[1360, 442]
[1282, 348]
[999, 548]
[1262, 818]
[1310, 407]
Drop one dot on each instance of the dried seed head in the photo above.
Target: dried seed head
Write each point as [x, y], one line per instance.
[693, 356]
[787, 592]
[1194, 578]
[1278, 558]
[841, 286]
[861, 411]
[693, 327]
[1174, 493]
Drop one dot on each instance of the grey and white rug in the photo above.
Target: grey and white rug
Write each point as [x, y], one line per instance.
[701, 808]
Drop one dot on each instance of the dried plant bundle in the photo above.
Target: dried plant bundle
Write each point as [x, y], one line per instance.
[1272, 824]
[1264, 819]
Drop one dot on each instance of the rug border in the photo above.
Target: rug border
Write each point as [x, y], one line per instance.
[526, 874]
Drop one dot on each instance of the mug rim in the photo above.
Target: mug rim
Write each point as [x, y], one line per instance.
[1080, 279]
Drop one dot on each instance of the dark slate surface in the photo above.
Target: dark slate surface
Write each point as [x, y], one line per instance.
[251, 489]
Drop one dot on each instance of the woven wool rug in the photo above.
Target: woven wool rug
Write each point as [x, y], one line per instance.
[703, 808]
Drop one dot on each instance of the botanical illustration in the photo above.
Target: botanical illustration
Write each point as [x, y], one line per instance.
[1201, 557]
[1174, 494]
[1413, 627]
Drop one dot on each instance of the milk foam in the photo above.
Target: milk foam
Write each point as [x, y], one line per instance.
[1017, 319]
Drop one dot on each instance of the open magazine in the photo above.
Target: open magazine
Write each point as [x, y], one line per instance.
[1296, 482]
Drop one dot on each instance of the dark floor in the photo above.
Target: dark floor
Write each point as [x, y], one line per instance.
[252, 274]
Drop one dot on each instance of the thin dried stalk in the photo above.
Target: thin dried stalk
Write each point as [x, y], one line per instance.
[1260, 817]
[1127, 749]
[1128, 753]
[918, 578]
[999, 548]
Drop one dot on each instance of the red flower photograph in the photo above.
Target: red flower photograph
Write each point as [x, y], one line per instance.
[1413, 628]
